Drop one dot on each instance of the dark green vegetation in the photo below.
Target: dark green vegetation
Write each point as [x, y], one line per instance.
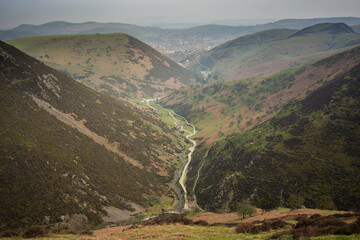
[49, 169]
[117, 64]
[291, 140]
[271, 51]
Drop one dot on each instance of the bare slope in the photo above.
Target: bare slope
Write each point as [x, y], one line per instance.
[66, 149]
[118, 64]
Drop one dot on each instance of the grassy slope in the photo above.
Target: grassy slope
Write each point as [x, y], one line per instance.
[118, 64]
[235, 107]
[271, 51]
[223, 108]
[51, 169]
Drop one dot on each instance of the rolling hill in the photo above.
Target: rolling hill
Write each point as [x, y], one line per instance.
[179, 44]
[223, 108]
[304, 23]
[271, 51]
[285, 140]
[71, 155]
[356, 28]
[117, 64]
[65, 28]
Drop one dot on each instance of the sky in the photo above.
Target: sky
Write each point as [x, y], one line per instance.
[16, 12]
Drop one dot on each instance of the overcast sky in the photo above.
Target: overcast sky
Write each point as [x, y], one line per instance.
[16, 12]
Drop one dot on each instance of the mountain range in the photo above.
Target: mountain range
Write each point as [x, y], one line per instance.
[176, 43]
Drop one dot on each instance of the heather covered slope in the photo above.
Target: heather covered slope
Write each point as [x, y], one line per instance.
[258, 141]
[271, 51]
[117, 64]
[66, 149]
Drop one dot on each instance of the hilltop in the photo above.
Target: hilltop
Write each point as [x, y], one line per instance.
[296, 129]
[118, 64]
[271, 51]
[71, 155]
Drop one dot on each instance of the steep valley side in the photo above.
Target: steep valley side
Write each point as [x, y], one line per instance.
[301, 152]
[68, 151]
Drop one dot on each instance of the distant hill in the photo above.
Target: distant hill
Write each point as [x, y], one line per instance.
[270, 51]
[179, 44]
[285, 140]
[356, 28]
[61, 28]
[69, 154]
[117, 63]
[303, 23]
[331, 28]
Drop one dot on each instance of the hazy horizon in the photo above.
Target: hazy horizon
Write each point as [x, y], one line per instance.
[16, 12]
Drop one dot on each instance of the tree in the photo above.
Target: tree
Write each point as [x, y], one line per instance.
[245, 209]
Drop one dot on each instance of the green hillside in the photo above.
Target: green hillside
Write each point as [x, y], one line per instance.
[117, 64]
[307, 155]
[223, 108]
[271, 51]
[260, 127]
[66, 149]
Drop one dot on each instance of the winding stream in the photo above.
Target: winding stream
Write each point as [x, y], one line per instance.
[191, 150]
[185, 164]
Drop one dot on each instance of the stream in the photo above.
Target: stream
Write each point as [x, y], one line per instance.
[185, 164]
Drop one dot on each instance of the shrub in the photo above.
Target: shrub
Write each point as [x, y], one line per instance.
[86, 232]
[201, 223]
[300, 217]
[8, 234]
[303, 231]
[275, 224]
[243, 228]
[35, 231]
[258, 229]
[245, 209]
[279, 235]
[315, 216]
[169, 218]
